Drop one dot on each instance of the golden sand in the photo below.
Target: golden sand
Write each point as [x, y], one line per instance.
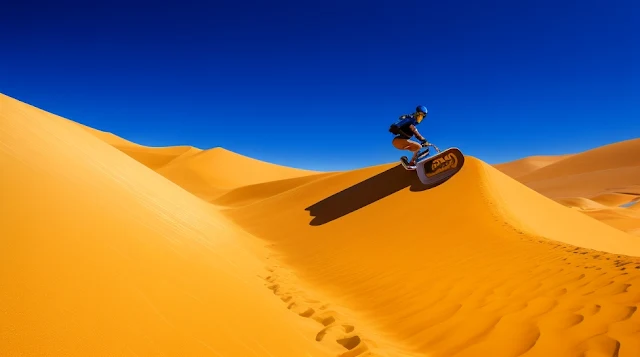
[115, 249]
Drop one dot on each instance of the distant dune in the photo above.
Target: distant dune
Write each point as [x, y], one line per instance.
[527, 165]
[608, 175]
[615, 166]
[211, 173]
[112, 248]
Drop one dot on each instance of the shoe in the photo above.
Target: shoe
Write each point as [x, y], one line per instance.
[423, 154]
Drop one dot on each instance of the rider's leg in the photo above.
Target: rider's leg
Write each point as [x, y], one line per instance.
[406, 144]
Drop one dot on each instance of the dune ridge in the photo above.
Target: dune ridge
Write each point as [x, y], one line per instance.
[207, 173]
[152, 157]
[214, 172]
[487, 275]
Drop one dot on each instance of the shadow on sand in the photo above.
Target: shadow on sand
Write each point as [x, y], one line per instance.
[365, 193]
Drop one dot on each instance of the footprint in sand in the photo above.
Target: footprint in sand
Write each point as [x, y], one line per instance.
[343, 334]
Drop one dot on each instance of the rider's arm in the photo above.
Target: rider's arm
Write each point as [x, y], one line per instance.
[416, 133]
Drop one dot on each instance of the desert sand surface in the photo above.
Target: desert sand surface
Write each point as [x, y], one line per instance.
[608, 175]
[102, 255]
[478, 266]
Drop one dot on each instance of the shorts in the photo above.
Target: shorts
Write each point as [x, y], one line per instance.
[401, 143]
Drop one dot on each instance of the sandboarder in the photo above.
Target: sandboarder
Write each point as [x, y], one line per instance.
[405, 129]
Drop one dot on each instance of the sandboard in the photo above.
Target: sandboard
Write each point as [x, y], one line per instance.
[440, 167]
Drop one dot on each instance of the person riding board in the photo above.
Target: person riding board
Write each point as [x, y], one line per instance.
[405, 129]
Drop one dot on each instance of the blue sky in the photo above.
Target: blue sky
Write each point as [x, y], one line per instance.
[315, 84]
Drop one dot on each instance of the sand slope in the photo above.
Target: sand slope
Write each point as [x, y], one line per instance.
[101, 256]
[478, 266]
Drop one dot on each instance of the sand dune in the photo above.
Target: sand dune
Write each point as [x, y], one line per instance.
[614, 167]
[527, 165]
[607, 175]
[157, 157]
[624, 219]
[615, 199]
[152, 157]
[612, 156]
[590, 184]
[213, 172]
[206, 173]
[101, 256]
[478, 266]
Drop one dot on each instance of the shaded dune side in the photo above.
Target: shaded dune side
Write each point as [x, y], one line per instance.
[613, 156]
[612, 168]
[590, 184]
[462, 269]
[101, 256]
[249, 194]
[527, 165]
[214, 172]
[622, 218]
[152, 157]
[155, 158]
[616, 199]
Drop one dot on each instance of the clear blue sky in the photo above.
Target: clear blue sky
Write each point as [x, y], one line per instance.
[315, 84]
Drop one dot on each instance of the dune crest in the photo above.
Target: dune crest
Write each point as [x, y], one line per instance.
[214, 172]
[152, 157]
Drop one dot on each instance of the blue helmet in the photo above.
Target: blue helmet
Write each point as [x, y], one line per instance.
[421, 109]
